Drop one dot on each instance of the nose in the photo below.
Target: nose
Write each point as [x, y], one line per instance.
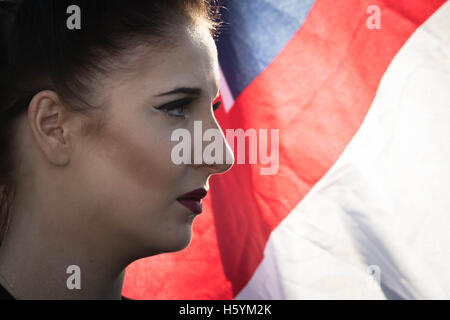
[216, 154]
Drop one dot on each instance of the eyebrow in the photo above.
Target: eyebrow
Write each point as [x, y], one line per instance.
[193, 91]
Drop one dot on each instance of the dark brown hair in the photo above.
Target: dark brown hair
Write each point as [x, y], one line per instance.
[38, 52]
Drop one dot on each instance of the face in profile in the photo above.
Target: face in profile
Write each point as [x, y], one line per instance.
[123, 176]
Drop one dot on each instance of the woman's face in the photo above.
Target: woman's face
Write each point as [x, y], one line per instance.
[125, 173]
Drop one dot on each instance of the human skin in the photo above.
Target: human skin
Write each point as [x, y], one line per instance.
[102, 200]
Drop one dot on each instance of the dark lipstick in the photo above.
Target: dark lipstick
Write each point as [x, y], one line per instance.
[193, 200]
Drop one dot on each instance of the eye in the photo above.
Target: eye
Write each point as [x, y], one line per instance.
[216, 105]
[175, 108]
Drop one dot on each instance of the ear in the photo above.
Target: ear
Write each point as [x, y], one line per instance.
[48, 120]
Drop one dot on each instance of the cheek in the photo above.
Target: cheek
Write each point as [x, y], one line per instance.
[141, 158]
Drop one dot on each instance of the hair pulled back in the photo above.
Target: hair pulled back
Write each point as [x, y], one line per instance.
[39, 52]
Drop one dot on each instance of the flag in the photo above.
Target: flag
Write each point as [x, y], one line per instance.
[359, 207]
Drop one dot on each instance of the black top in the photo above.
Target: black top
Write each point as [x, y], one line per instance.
[5, 295]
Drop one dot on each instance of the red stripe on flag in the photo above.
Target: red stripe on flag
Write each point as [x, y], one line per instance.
[317, 92]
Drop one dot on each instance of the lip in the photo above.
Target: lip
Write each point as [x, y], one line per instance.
[193, 200]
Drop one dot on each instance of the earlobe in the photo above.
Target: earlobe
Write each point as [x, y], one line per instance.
[47, 118]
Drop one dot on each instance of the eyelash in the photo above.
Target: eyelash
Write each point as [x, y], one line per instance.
[181, 104]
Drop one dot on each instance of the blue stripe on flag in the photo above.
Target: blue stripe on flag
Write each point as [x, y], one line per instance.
[255, 32]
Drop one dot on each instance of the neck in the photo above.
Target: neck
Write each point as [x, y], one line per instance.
[37, 252]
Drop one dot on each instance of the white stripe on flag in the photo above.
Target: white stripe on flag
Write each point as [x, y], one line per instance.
[227, 97]
[385, 202]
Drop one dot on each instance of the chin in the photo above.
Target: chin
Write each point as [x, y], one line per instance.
[149, 240]
[180, 237]
[178, 243]
[169, 243]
